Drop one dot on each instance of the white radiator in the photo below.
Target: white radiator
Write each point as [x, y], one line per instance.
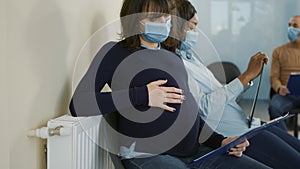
[76, 147]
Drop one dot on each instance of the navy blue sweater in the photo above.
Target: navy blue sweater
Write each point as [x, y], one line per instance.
[128, 73]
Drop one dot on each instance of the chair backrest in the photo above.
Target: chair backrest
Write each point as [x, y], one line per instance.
[224, 71]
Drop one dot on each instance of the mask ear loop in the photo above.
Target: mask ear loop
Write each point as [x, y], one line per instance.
[141, 27]
[255, 98]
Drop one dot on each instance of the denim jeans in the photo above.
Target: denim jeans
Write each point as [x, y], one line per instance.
[171, 162]
[275, 148]
[286, 137]
[280, 105]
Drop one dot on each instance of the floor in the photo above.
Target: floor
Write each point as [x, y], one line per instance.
[261, 110]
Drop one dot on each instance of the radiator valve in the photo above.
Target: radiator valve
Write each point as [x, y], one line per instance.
[46, 132]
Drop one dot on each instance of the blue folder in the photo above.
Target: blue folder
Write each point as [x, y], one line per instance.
[224, 149]
[294, 84]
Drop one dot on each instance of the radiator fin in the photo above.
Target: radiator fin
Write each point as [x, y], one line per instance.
[80, 150]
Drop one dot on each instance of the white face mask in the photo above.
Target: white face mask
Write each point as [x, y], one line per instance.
[156, 32]
[191, 38]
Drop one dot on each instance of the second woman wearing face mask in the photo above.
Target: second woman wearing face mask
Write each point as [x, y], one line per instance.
[274, 147]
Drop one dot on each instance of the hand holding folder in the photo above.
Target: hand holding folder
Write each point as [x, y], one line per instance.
[224, 149]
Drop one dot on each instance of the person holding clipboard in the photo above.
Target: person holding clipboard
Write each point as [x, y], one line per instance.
[272, 146]
[285, 61]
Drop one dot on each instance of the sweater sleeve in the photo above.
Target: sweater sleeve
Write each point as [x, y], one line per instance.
[208, 137]
[87, 99]
[275, 71]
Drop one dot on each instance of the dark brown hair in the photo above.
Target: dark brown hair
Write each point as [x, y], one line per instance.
[184, 12]
[132, 13]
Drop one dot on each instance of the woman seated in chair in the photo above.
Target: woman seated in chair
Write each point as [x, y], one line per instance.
[217, 103]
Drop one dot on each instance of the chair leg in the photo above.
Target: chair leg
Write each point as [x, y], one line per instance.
[296, 126]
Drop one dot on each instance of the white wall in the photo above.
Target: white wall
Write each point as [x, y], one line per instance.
[4, 155]
[244, 28]
[44, 39]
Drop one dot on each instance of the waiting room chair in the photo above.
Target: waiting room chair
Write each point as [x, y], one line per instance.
[225, 72]
[295, 111]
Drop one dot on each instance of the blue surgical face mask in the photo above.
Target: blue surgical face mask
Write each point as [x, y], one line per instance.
[191, 38]
[156, 32]
[293, 34]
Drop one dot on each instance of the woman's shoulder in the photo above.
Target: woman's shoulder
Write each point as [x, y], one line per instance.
[112, 47]
[112, 53]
